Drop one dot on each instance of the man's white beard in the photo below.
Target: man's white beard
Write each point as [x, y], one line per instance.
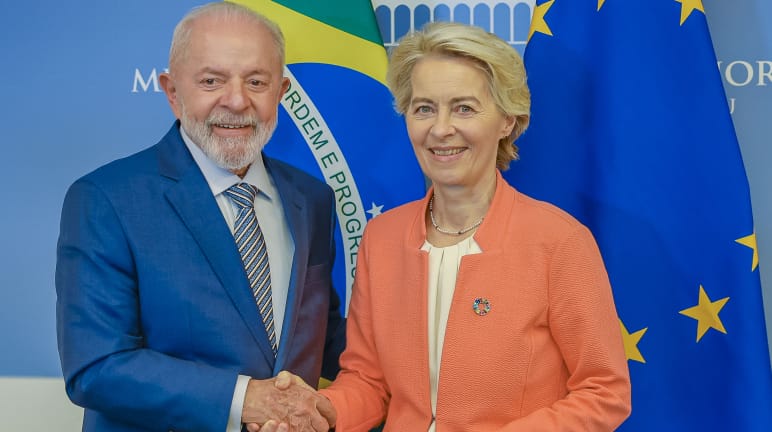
[230, 153]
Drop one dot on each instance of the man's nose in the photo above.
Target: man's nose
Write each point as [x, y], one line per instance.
[235, 97]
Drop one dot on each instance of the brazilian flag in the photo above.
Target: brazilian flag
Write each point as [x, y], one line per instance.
[338, 120]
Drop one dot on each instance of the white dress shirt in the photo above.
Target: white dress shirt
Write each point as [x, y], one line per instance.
[443, 270]
[278, 241]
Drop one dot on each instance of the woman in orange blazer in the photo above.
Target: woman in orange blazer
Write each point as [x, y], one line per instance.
[477, 308]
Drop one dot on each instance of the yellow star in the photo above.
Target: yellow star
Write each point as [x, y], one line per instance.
[631, 343]
[706, 314]
[687, 6]
[750, 241]
[537, 21]
[600, 4]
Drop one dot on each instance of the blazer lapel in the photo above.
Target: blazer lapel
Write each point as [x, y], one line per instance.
[293, 203]
[415, 269]
[193, 201]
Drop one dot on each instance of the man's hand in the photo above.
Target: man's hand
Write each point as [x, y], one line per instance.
[286, 403]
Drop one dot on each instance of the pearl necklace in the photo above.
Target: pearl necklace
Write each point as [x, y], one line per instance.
[443, 230]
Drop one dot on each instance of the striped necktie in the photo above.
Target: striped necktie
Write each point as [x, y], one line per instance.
[254, 255]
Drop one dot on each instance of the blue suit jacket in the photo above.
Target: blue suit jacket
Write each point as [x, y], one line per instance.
[155, 317]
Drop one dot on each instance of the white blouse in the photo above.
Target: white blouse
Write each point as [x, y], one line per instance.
[443, 269]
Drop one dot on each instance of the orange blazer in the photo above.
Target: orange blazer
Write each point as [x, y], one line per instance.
[547, 357]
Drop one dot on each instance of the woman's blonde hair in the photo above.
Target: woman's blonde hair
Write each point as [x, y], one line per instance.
[501, 64]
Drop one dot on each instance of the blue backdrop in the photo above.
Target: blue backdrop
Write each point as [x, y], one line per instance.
[67, 75]
[77, 76]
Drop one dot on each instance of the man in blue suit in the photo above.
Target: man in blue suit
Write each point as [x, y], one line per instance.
[157, 323]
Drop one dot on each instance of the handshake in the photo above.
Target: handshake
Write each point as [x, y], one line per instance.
[286, 403]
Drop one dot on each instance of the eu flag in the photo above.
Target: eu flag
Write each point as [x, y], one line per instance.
[631, 133]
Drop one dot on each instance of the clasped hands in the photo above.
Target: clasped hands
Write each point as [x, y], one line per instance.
[286, 403]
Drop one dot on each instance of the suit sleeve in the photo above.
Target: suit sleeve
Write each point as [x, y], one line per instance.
[584, 323]
[106, 364]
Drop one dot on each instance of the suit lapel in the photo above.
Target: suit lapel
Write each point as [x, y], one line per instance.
[295, 211]
[191, 197]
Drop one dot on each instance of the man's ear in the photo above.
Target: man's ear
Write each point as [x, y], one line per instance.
[285, 83]
[170, 89]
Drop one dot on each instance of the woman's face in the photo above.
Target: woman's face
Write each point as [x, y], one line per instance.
[453, 122]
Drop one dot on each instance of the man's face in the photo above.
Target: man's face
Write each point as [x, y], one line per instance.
[226, 89]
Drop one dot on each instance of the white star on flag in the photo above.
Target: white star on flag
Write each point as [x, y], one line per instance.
[375, 210]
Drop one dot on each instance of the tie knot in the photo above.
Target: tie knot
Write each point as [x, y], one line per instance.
[243, 194]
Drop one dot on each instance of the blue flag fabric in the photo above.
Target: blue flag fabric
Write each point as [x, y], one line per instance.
[631, 133]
